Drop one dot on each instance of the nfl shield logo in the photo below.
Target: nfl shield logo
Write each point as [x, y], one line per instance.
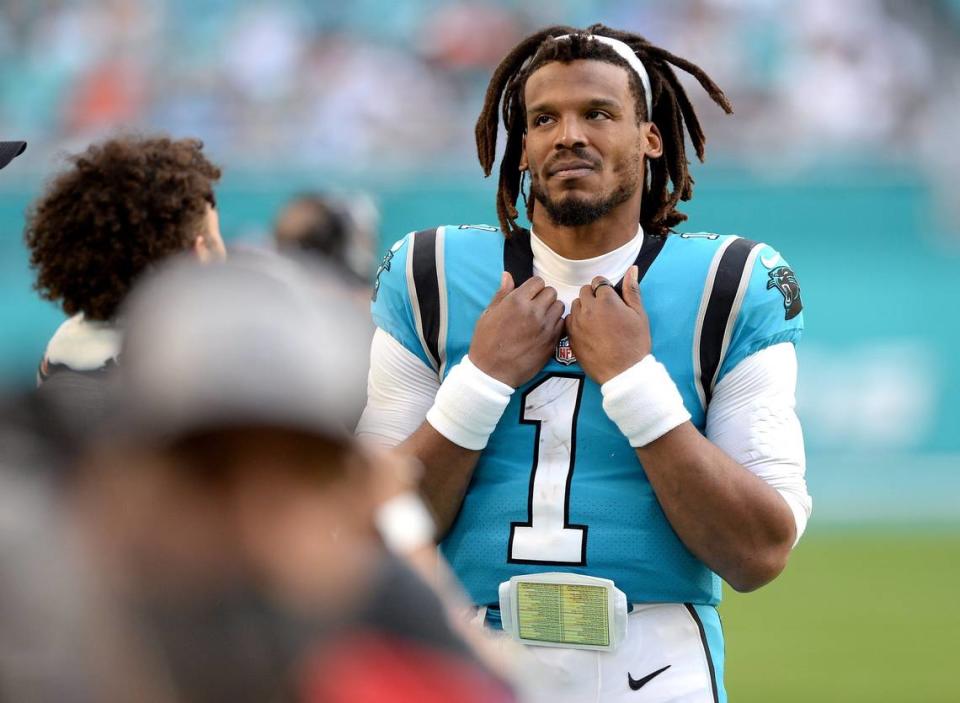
[564, 354]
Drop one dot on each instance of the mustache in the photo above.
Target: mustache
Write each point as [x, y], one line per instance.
[578, 153]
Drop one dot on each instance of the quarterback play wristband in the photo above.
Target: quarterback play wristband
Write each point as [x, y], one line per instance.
[573, 611]
[468, 405]
[644, 402]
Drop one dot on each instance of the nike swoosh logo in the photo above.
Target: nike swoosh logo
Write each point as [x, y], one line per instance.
[771, 261]
[637, 684]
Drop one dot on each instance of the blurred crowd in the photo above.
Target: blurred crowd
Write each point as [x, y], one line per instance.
[398, 85]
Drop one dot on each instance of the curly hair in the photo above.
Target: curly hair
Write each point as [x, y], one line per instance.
[673, 114]
[125, 204]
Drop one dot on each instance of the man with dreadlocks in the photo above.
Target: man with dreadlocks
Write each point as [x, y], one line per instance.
[604, 409]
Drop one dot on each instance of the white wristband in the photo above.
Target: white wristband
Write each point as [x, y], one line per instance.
[644, 402]
[468, 405]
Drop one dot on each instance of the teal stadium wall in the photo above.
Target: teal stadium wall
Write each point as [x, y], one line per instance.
[880, 371]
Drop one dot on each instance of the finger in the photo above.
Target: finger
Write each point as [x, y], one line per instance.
[557, 330]
[631, 289]
[506, 285]
[531, 287]
[586, 292]
[598, 284]
[561, 327]
[552, 317]
[576, 305]
[545, 298]
[598, 280]
[554, 311]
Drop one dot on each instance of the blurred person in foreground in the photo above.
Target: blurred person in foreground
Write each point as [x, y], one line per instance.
[62, 639]
[121, 207]
[339, 230]
[237, 515]
[604, 408]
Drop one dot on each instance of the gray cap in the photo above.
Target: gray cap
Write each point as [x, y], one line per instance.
[258, 340]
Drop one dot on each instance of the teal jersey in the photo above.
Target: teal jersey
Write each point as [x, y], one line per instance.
[558, 487]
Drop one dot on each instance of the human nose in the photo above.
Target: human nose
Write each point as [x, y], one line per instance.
[570, 134]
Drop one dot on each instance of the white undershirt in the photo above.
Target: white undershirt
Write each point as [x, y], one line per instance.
[569, 275]
[751, 415]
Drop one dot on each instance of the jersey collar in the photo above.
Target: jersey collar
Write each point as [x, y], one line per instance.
[518, 256]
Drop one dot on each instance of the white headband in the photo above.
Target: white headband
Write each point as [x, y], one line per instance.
[627, 54]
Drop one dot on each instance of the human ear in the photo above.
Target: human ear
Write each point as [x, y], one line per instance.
[200, 249]
[652, 141]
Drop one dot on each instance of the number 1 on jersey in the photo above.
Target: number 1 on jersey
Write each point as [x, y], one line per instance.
[548, 537]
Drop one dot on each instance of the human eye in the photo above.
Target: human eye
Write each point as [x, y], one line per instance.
[541, 120]
[597, 115]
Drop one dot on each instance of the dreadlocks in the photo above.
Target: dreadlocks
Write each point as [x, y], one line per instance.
[672, 113]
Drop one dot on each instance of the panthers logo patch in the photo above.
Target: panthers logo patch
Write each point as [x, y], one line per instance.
[384, 266]
[785, 280]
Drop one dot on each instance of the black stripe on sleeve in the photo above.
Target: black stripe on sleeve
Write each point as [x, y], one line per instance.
[428, 289]
[706, 649]
[717, 315]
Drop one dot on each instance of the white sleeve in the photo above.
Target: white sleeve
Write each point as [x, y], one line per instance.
[752, 418]
[400, 391]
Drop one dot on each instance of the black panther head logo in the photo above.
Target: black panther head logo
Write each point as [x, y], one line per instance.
[785, 280]
[384, 266]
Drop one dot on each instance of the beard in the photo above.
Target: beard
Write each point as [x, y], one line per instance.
[574, 211]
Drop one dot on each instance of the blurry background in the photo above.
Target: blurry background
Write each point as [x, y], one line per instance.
[841, 154]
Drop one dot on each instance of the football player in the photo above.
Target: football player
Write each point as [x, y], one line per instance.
[604, 408]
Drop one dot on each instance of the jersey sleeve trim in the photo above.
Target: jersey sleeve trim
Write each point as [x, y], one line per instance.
[426, 284]
[723, 294]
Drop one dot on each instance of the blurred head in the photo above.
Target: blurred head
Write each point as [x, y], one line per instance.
[287, 505]
[121, 207]
[239, 386]
[576, 117]
[338, 230]
[310, 222]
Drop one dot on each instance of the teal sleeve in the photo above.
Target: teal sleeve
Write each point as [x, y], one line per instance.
[771, 311]
[391, 308]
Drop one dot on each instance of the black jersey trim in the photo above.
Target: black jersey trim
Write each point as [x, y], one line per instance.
[717, 318]
[649, 251]
[706, 649]
[427, 290]
[518, 257]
